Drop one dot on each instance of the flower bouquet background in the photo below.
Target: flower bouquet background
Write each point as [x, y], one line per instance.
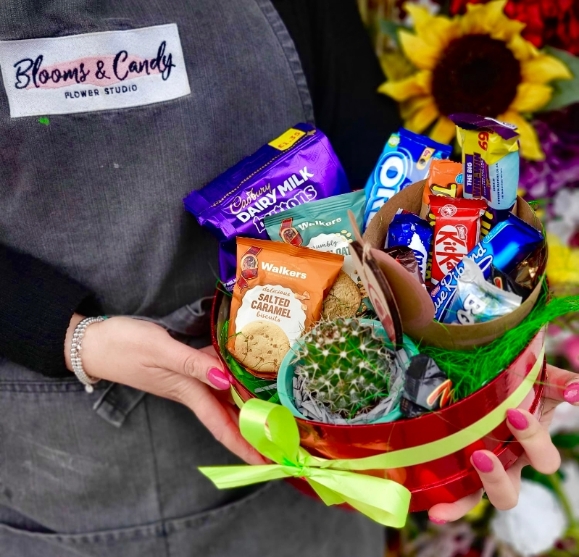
[512, 60]
[545, 522]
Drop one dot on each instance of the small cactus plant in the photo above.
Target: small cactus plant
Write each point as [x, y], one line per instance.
[344, 365]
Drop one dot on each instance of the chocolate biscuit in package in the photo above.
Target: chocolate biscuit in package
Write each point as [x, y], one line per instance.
[490, 158]
[297, 167]
[324, 226]
[277, 297]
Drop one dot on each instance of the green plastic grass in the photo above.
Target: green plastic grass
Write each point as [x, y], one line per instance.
[469, 370]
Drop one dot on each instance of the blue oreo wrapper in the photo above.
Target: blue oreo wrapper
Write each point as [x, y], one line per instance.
[405, 159]
[408, 229]
[505, 246]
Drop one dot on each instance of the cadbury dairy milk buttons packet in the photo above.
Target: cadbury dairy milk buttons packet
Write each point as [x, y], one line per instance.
[295, 168]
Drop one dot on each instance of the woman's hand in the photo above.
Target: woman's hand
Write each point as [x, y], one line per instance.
[144, 356]
[502, 486]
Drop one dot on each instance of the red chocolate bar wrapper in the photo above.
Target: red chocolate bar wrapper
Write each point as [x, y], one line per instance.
[456, 231]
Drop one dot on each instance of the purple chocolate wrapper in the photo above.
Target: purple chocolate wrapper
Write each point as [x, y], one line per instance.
[469, 121]
[297, 167]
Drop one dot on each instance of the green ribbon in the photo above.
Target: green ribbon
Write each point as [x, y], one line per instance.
[272, 430]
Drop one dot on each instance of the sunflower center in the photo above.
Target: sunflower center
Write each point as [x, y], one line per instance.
[476, 74]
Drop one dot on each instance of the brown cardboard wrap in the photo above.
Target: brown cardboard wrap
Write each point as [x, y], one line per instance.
[452, 337]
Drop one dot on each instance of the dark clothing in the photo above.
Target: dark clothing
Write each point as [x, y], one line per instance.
[36, 300]
[91, 219]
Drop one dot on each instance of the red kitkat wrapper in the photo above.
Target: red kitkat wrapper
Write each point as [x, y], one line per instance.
[456, 231]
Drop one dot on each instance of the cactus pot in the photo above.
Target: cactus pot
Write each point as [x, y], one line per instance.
[287, 371]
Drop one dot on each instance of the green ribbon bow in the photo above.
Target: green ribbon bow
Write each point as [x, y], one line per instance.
[273, 431]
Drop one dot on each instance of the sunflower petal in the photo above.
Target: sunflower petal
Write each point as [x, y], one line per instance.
[490, 19]
[544, 68]
[531, 97]
[444, 130]
[404, 89]
[411, 106]
[483, 18]
[422, 118]
[421, 17]
[506, 30]
[437, 31]
[423, 55]
[522, 49]
[530, 146]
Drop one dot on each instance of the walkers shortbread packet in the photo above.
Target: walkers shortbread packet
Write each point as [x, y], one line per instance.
[278, 295]
[324, 226]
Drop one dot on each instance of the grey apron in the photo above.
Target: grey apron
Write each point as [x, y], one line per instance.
[99, 195]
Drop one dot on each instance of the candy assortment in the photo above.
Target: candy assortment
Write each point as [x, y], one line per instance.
[333, 328]
[294, 192]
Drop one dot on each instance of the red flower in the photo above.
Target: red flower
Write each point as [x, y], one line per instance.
[548, 22]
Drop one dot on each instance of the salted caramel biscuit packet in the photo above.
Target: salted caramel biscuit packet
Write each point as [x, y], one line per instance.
[278, 295]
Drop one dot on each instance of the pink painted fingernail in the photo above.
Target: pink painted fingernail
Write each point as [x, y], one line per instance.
[571, 393]
[218, 379]
[437, 520]
[482, 462]
[517, 419]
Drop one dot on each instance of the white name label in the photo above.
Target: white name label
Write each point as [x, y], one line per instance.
[96, 71]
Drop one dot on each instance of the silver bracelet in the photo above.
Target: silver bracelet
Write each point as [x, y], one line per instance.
[75, 349]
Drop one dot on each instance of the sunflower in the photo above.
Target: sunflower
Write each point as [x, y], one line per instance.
[477, 63]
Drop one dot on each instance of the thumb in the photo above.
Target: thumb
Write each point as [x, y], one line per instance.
[562, 385]
[200, 364]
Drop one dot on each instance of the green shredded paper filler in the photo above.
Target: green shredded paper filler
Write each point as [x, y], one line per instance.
[469, 370]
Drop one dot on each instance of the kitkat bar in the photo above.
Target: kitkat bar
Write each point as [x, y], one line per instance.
[456, 232]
